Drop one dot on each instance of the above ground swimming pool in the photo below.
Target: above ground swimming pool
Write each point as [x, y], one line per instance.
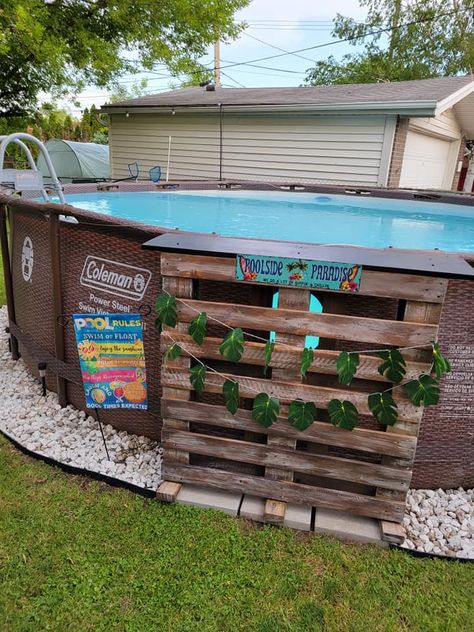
[303, 217]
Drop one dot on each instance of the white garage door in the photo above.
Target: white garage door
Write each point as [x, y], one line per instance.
[426, 162]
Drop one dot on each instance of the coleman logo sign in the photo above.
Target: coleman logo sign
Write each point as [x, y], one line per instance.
[115, 278]
[27, 259]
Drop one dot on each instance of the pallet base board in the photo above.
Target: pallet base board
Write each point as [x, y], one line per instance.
[338, 524]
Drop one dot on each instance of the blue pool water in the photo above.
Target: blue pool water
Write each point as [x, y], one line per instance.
[303, 217]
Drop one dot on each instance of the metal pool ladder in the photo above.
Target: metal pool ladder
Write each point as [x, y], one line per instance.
[28, 179]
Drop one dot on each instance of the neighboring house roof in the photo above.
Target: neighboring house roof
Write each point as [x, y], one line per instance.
[426, 97]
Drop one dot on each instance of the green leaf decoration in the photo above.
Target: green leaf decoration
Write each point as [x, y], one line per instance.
[265, 409]
[172, 352]
[307, 358]
[393, 366]
[165, 306]
[231, 394]
[267, 352]
[233, 345]
[197, 376]
[343, 414]
[197, 329]
[424, 390]
[346, 366]
[440, 364]
[301, 414]
[384, 408]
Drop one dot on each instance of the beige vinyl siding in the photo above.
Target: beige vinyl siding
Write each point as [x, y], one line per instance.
[431, 152]
[267, 147]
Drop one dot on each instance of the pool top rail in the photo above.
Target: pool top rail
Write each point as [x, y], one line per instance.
[436, 263]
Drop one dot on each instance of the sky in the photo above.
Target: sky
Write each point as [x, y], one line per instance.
[284, 24]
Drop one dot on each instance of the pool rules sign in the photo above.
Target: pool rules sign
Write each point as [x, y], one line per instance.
[304, 273]
[112, 359]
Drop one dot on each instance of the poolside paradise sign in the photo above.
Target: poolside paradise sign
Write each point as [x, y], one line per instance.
[323, 275]
[112, 360]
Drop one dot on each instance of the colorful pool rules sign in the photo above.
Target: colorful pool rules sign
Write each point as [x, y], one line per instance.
[323, 275]
[112, 360]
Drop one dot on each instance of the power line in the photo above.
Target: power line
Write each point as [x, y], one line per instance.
[241, 85]
[257, 39]
[387, 29]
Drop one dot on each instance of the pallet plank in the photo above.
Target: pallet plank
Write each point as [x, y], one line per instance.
[287, 491]
[288, 459]
[287, 391]
[168, 491]
[292, 321]
[373, 283]
[371, 441]
[286, 357]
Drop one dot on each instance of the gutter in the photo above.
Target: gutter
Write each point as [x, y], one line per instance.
[407, 108]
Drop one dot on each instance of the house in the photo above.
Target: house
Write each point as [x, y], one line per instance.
[408, 134]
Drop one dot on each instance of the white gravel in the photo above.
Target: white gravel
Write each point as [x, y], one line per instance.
[66, 434]
[440, 522]
[436, 521]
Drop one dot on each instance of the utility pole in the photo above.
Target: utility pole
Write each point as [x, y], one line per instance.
[217, 63]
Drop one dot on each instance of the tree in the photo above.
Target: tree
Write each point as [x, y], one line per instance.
[57, 46]
[420, 39]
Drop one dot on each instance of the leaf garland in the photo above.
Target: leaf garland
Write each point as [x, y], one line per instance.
[393, 366]
[197, 377]
[165, 306]
[231, 395]
[265, 409]
[197, 328]
[301, 414]
[383, 407]
[421, 391]
[346, 366]
[233, 345]
[343, 414]
[307, 358]
[424, 390]
[172, 352]
[440, 364]
[267, 353]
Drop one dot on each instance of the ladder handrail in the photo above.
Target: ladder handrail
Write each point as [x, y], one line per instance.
[18, 137]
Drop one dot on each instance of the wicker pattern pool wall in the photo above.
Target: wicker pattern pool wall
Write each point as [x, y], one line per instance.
[445, 450]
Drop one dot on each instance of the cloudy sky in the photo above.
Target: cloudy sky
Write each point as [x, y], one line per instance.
[278, 24]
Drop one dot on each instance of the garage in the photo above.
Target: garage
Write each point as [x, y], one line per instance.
[428, 162]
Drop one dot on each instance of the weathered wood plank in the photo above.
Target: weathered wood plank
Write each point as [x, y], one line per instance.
[287, 491]
[372, 441]
[290, 299]
[289, 459]
[167, 491]
[274, 512]
[373, 283]
[392, 532]
[292, 321]
[284, 357]
[182, 288]
[286, 391]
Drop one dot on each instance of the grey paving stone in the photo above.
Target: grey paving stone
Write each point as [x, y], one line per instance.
[347, 527]
[206, 498]
[298, 517]
[252, 508]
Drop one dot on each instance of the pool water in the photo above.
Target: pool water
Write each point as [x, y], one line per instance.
[302, 217]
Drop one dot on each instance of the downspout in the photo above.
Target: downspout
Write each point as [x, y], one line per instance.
[221, 116]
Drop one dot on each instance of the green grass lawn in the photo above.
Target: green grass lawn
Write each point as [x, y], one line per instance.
[79, 555]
